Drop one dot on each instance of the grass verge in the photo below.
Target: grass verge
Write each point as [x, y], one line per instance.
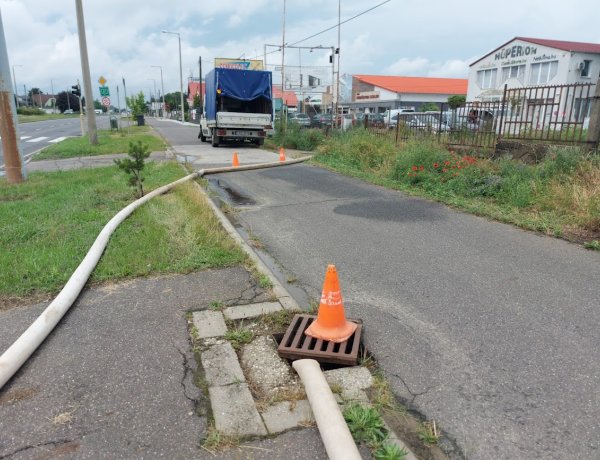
[50, 116]
[51, 220]
[559, 196]
[108, 142]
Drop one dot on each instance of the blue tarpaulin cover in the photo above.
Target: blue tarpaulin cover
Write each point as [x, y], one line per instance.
[244, 85]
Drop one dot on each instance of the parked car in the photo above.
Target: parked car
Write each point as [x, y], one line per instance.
[321, 120]
[390, 115]
[98, 111]
[300, 119]
[68, 112]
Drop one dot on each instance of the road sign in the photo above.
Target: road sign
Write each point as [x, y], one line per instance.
[102, 80]
[104, 91]
[106, 101]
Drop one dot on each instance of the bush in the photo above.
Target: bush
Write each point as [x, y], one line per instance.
[295, 137]
[30, 111]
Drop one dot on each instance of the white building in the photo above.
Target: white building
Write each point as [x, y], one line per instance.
[525, 61]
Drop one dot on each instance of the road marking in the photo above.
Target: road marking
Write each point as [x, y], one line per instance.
[25, 137]
[38, 139]
[58, 139]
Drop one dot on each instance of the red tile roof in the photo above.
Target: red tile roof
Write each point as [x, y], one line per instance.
[290, 97]
[417, 85]
[193, 89]
[578, 47]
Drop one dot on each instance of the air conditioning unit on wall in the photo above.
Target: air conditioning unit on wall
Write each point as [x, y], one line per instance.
[581, 65]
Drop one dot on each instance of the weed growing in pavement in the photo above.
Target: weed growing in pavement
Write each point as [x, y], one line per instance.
[276, 322]
[389, 451]
[428, 433]
[216, 306]
[265, 282]
[365, 424]
[593, 245]
[215, 441]
[239, 336]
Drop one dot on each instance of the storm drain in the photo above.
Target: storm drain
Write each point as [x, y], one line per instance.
[297, 345]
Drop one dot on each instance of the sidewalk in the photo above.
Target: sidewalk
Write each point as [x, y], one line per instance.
[85, 162]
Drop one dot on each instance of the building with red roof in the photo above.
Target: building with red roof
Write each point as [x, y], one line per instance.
[525, 61]
[376, 93]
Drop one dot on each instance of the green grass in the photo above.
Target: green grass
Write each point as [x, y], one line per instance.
[50, 116]
[367, 426]
[294, 137]
[108, 142]
[239, 336]
[560, 196]
[50, 221]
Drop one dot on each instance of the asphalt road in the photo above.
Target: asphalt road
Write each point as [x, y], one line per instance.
[489, 330]
[37, 135]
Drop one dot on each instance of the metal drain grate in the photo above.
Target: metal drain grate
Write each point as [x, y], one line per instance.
[297, 345]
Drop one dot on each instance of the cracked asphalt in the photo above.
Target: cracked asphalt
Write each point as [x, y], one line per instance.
[115, 378]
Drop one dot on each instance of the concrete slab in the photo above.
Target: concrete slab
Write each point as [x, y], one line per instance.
[350, 378]
[286, 415]
[209, 323]
[264, 366]
[252, 310]
[221, 366]
[288, 303]
[234, 411]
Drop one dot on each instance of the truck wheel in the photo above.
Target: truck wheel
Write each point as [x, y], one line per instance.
[260, 141]
[202, 136]
[215, 139]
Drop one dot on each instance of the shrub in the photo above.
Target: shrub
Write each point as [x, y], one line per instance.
[30, 111]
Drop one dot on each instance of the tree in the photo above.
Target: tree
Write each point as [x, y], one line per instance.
[137, 104]
[138, 151]
[173, 101]
[35, 100]
[62, 104]
[456, 101]
[429, 107]
[197, 102]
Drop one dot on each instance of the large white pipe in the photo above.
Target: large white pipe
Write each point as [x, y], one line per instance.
[335, 434]
[16, 355]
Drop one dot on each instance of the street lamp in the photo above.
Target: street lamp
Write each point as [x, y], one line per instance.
[162, 88]
[153, 97]
[15, 83]
[180, 71]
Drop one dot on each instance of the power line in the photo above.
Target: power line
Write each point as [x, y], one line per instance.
[328, 29]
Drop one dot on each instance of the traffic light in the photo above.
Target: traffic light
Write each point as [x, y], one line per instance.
[76, 90]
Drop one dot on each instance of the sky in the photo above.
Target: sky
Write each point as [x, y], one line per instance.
[409, 38]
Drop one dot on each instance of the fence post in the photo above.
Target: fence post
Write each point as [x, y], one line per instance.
[501, 125]
[439, 133]
[397, 126]
[593, 133]
[366, 121]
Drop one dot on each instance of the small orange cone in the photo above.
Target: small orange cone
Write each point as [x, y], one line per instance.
[331, 321]
[235, 161]
[281, 154]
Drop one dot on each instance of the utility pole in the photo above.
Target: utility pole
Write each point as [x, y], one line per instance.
[283, 112]
[200, 90]
[593, 134]
[85, 71]
[8, 118]
[337, 92]
[53, 97]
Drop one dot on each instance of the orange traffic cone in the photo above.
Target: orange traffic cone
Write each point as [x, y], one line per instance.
[235, 161]
[281, 154]
[331, 321]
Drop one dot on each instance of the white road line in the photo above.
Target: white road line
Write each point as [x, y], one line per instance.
[25, 137]
[38, 139]
[58, 139]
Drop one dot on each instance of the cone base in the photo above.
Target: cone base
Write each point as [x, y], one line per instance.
[331, 334]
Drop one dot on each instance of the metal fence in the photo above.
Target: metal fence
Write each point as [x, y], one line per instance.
[556, 114]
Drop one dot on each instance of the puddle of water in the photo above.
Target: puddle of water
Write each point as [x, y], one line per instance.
[230, 195]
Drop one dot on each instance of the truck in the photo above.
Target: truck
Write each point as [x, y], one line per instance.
[238, 106]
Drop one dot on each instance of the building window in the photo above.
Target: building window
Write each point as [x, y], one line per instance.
[581, 109]
[585, 71]
[486, 78]
[515, 71]
[543, 72]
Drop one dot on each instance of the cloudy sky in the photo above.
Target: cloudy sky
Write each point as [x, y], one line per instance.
[400, 37]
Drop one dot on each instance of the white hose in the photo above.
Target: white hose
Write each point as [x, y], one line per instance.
[335, 434]
[16, 355]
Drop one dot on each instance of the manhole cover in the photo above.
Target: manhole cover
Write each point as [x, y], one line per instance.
[297, 345]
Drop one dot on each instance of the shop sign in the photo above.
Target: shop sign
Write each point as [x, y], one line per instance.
[515, 51]
[367, 95]
[240, 64]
